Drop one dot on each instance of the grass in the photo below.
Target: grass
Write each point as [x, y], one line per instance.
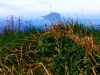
[69, 49]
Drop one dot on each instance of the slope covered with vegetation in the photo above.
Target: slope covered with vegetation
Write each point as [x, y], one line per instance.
[69, 49]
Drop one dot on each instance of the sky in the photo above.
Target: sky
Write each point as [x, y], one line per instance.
[38, 8]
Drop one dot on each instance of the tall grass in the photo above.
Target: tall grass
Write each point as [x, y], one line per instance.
[73, 48]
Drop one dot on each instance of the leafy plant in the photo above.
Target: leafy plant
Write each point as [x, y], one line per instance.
[64, 56]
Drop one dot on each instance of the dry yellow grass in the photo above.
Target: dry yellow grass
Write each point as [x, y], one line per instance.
[86, 42]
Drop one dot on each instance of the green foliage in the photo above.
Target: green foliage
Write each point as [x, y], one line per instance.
[47, 46]
[67, 55]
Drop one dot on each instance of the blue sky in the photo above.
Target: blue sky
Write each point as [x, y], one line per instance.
[38, 8]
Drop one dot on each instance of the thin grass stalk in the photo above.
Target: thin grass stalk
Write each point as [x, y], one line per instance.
[45, 69]
[9, 70]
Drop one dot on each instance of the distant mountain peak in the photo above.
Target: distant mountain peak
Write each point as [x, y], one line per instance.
[52, 16]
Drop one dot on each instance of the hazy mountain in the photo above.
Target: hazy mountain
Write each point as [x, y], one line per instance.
[52, 16]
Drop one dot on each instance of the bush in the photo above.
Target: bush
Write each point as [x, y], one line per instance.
[62, 52]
